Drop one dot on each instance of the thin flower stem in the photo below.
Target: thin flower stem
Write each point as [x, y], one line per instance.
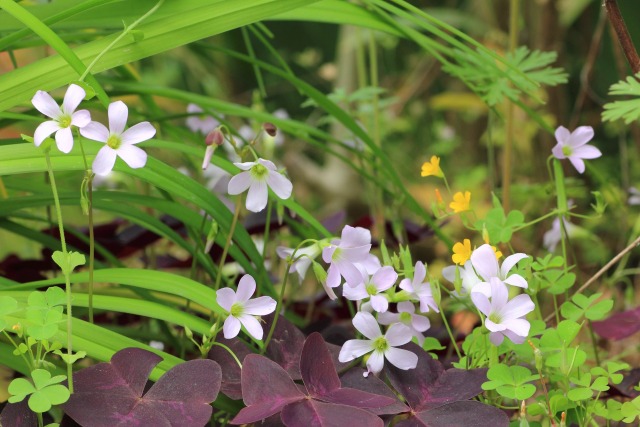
[56, 199]
[227, 244]
[40, 420]
[453, 340]
[537, 220]
[562, 207]
[26, 361]
[92, 243]
[594, 343]
[267, 227]
[230, 352]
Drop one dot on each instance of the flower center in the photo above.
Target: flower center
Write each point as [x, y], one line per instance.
[495, 318]
[114, 141]
[259, 172]
[236, 310]
[64, 121]
[371, 289]
[336, 254]
[405, 317]
[380, 344]
[567, 150]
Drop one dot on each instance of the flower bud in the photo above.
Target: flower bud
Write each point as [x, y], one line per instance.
[270, 129]
[215, 137]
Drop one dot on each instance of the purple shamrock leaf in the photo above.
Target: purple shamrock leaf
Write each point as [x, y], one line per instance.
[439, 398]
[18, 415]
[354, 378]
[231, 371]
[619, 326]
[110, 394]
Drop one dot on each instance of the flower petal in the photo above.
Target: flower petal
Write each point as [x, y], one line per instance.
[577, 163]
[420, 323]
[517, 307]
[252, 326]
[405, 285]
[81, 118]
[46, 104]
[350, 272]
[401, 358]
[246, 288]
[485, 262]
[518, 326]
[587, 152]
[387, 318]
[406, 307]
[118, 113]
[246, 165]
[355, 293]
[384, 278]
[280, 185]
[580, 136]
[354, 236]
[96, 131]
[499, 294]
[367, 325]
[64, 140]
[375, 363]
[494, 327]
[557, 151]
[333, 276]
[398, 334]
[379, 303]
[75, 94]
[239, 183]
[562, 134]
[517, 280]
[226, 297]
[496, 338]
[231, 327]
[260, 306]
[133, 156]
[138, 133]
[104, 161]
[481, 301]
[419, 273]
[267, 164]
[509, 262]
[257, 196]
[44, 130]
[353, 349]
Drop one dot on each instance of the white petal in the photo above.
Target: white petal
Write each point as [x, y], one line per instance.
[419, 273]
[267, 164]
[44, 130]
[375, 363]
[496, 338]
[580, 136]
[246, 288]
[327, 253]
[357, 254]
[332, 295]
[494, 327]
[280, 185]
[482, 302]
[420, 323]
[518, 326]
[517, 280]
[252, 326]
[350, 272]
[118, 113]
[246, 165]
[557, 151]
[406, 307]
[133, 156]
[64, 140]
[587, 152]
[231, 327]
[104, 161]
[75, 94]
[517, 339]
[138, 133]
[483, 288]
[485, 262]
[449, 273]
[193, 108]
[562, 134]
[46, 104]
[333, 276]
[398, 334]
[517, 307]
[379, 303]
[260, 306]
[226, 297]
[384, 278]
[239, 183]
[353, 349]
[81, 118]
[257, 196]
[387, 318]
[96, 131]
[577, 163]
[401, 358]
[509, 262]
[499, 293]
[354, 236]
[355, 293]
[405, 285]
[367, 325]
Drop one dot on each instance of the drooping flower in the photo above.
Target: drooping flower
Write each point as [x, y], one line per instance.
[468, 277]
[432, 167]
[461, 202]
[256, 177]
[553, 236]
[407, 316]
[380, 346]
[372, 287]
[461, 252]
[63, 116]
[573, 146]
[305, 256]
[118, 142]
[242, 309]
[504, 318]
[200, 122]
[343, 254]
[486, 265]
[419, 289]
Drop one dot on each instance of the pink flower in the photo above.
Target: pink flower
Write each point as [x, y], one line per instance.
[242, 310]
[343, 254]
[258, 177]
[419, 289]
[407, 316]
[486, 265]
[372, 287]
[573, 146]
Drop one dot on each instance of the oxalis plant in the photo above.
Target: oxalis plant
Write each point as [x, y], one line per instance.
[173, 259]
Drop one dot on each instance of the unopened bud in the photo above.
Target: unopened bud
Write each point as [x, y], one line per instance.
[321, 275]
[208, 154]
[188, 333]
[563, 420]
[215, 137]
[270, 129]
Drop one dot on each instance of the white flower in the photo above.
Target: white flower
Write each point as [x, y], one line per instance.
[634, 196]
[119, 142]
[63, 117]
[468, 276]
[372, 287]
[304, 257]
[242, 310]
[382, 346]
[407, 316]
[504, 318]
[553, 236]
[199, 122]
[343, 254]
[486, 265]
[573, 146]
[256, 177]
[419, 289]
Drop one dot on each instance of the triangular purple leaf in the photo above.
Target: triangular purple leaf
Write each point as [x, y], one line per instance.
[358, 398]
[619, 326]
[286, 345]
[18, 415]
[355, 379]
[468, 413]
[311, 413]
[231, 371]
[317, 370]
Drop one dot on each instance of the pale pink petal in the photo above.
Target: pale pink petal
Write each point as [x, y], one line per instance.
[401, 358]
[64, 140]
[226, 297]
[517, 307]
[257, 196]
[494, 327]
[280, 185]
[133, 156]
[252, 326]
[384, 278]
[246, 288]
[587, 152]
[577, 163]
[419, 273]
[75, 94]
[427, 301]
[509, 262]
[517, 339]
[44, 130]
[485, 262]
[353, 349]
[332, 295]
[350, 272]
[194, 108]
[138, 133]
[118, 113]
[519, 326]
[231, 327]
[379, 303]
[371, 264]
[405, 285]
[420, 323]
[496, 338]
[387, 318]
[562, 134]
[355, 236]
[239, 183]
[81, 118]
[580, 136]
[260, 306]
[245, 166]
[96, 131]
[406, 307]
[449, 273]
[499, 293]
[517, 280]
[46, 104]
[482, 302]
[355, 293]
[398, 334]
[367, 325]
[557, 151]
[267, 164]
[375, 363]
[104, 161]
[355, 254]
[333, 276]
[327, 253]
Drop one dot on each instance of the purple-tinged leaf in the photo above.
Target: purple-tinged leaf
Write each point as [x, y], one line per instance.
[109, 394]
[266, 389]
[355, 379]
[358, 398]
[619, 326]
[18, 415]
[311, 413]
[468, 413]
[286, 345]
[455, 385]
[628, 383]
[317, 370]
[231, 371]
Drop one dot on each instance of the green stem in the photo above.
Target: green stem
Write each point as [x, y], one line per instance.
[594, 343]
[92, 242]
[230, 352]
[453, 340]
[276, 314]
[563, 208]
[56, 199]
[40, 420]
[227, 244]
[26, 361]
[267, 227]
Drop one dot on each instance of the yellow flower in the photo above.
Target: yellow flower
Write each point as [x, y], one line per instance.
[432, 167]
[461, 252]
[461, 201]
[485, 237]
[497, 252]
